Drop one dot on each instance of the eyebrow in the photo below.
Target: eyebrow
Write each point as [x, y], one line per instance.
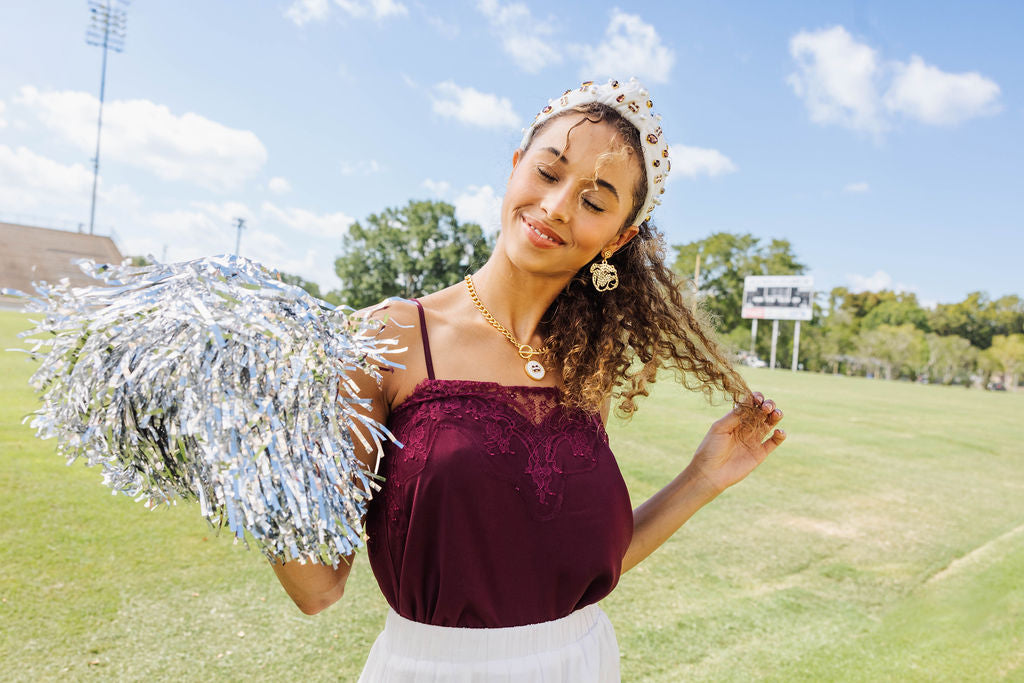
[600, 181]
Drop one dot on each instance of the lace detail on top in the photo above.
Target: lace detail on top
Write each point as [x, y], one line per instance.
[529, 440]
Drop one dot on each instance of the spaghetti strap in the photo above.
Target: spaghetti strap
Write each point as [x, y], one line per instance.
[426, 341]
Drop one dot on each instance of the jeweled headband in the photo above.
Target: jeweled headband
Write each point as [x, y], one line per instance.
[632, 101]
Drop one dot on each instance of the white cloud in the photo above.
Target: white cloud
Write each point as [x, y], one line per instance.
[930, 95]
[446, 29]
[225, 213]
[366, 167]
[837, 78]
[696, 161]
[480, 205]
[529, 41]
[846, 82]
[380, 9]
[279, 185]
[329, 225]
[388, 8]
[303, 11]
[876, 282]
[3, 122]
[147, 135]
[438, 188]
[46, 192]
[207, 228]
[474, 107]
[28, 180]
[856, 188]
[631, 47]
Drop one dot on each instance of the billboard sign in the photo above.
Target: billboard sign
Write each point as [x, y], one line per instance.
[778, 297]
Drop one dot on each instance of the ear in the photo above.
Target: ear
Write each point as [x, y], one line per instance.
[620, 241]
[516, 157]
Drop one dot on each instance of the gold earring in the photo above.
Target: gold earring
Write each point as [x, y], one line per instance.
[603, 274]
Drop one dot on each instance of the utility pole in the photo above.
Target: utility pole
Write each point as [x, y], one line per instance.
[696, 273]
[240, 225]
[107, 24]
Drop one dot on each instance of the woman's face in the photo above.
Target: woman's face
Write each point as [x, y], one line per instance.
[567, 201]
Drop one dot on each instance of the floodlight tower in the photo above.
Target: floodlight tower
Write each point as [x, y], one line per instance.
[107, 25]
[239, 226]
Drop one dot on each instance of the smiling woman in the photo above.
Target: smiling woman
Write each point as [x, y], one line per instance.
[504, 520]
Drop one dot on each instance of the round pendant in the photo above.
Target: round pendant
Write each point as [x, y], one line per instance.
[535, 370]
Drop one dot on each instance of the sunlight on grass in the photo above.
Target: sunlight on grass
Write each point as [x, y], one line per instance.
[836, 560]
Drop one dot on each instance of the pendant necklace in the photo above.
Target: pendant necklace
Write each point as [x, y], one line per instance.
[533, 367]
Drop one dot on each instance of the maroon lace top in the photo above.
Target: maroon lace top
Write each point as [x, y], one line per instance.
[502, 509]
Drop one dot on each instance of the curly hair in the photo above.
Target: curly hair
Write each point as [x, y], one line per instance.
[614, 343]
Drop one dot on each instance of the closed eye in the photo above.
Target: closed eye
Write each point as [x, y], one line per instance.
[590, 204]
[546, 174]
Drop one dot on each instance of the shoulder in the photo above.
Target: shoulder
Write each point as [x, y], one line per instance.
[399, 322]
[393, 314]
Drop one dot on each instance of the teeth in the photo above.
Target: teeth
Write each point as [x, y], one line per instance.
[538, 232]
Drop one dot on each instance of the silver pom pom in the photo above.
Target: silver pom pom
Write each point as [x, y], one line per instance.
[211, 380]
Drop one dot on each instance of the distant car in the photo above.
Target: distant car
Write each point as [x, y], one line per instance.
[996, 386]
[753, 361]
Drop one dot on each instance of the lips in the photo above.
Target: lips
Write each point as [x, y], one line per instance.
[541, 234]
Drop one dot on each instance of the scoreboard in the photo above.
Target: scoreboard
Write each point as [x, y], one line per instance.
[778, 297]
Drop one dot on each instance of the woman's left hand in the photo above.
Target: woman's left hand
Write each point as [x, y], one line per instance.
[726, 455]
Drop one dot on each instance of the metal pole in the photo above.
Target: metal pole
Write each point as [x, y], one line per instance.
[99, 127]
[753, 336]
[238, 235]
[796, 344]
[112, 21]
[775, 339]
[696, 273]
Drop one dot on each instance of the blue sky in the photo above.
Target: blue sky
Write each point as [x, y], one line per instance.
[884, 140]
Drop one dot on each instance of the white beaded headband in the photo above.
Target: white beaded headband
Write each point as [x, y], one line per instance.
[632, 101]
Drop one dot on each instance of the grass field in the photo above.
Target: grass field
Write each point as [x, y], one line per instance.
[884, 541]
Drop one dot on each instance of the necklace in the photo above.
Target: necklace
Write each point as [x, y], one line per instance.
[533, 367]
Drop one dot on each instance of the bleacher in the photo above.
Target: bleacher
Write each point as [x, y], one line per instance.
[28, 253]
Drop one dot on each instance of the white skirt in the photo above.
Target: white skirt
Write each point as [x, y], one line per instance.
[579, 648]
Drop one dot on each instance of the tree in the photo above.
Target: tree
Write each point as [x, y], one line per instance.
[1008, 352]
[830, 339]
[950, 359]
[900, 309]
[894, 350]
[407, 252]
[979, 319]
[726, 259]
[311, 287]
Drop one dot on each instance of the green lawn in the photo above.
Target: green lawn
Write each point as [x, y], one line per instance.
[884, 541]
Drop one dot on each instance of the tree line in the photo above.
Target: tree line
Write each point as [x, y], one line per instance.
[412, 250]
[883, 334]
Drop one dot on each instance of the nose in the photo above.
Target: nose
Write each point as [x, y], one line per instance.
[557, 202]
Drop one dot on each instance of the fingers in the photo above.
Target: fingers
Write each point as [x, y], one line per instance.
[773, 442]
[767, 409]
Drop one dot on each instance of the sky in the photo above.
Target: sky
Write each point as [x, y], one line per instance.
[884, 140]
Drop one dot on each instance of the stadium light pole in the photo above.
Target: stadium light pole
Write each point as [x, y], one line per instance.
[107, 24]
[240, 226]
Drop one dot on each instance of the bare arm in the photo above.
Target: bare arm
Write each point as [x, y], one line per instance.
[313, 586]
[721, 460]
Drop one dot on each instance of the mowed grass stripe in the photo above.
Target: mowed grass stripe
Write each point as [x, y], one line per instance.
[837, 560]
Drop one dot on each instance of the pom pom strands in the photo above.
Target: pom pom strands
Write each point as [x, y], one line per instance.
[212, 380]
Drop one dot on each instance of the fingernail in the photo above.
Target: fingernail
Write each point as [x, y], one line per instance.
[782, 432]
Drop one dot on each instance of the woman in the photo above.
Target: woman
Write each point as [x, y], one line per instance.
[504, 519]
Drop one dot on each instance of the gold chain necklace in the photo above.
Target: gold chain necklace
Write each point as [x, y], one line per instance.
[533, 367]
